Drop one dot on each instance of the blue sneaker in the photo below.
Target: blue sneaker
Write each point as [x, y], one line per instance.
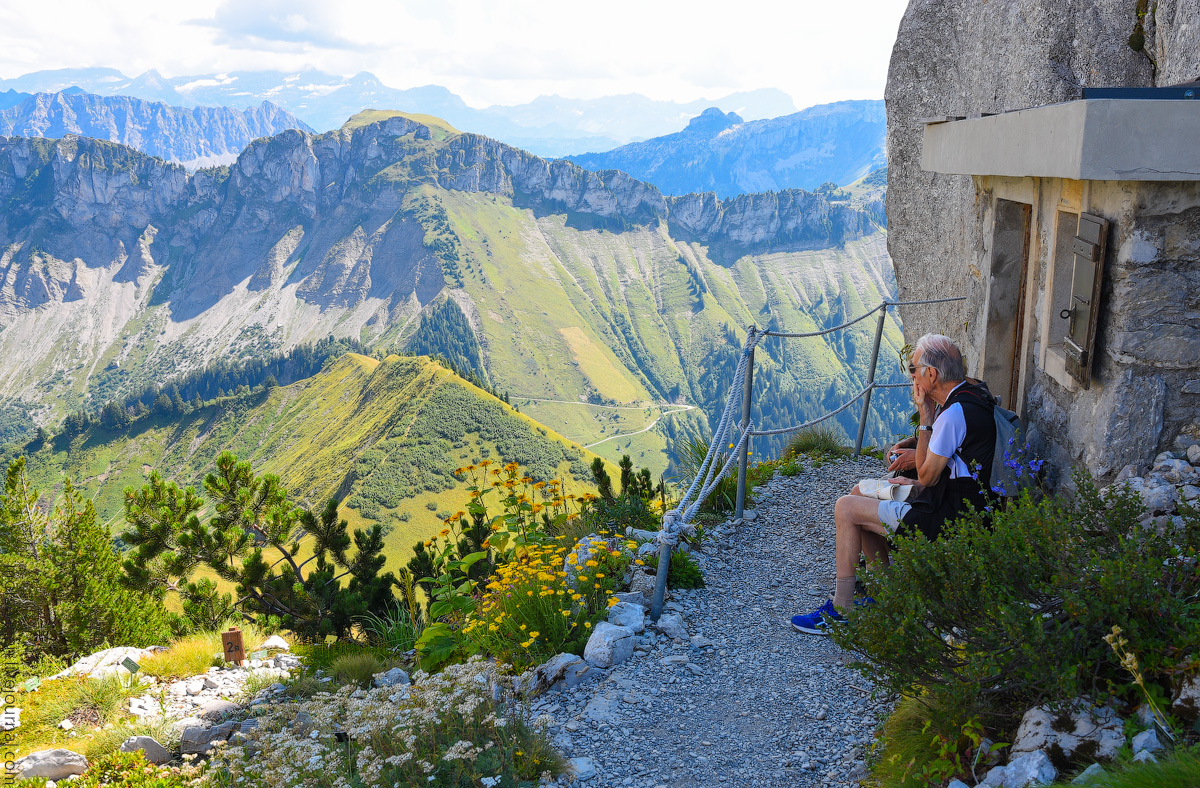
[816, 623]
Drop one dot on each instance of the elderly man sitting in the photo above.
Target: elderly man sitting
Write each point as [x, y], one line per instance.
[954, 448]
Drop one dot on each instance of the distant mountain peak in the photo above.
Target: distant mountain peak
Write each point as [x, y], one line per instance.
[712, 121]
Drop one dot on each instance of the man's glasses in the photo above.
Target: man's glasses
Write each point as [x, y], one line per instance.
[912, 368]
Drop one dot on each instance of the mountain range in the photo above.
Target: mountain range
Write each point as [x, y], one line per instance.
[719, 151]
[548, 125]
[196, 137]
[591, 298]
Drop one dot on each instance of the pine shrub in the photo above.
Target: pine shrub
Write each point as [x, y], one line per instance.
[1014, 611]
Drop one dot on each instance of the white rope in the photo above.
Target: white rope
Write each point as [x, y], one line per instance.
[785, 430]
[847, 324]
[678, 521]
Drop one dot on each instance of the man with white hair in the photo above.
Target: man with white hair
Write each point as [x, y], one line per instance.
[954, 449]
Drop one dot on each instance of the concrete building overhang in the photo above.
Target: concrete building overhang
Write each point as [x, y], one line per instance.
[1089, 139]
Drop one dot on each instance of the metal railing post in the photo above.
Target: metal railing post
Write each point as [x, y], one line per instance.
[866, 408]
[747, 399]
[660, 581]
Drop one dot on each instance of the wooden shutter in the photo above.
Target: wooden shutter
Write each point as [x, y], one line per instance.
[1088, 250]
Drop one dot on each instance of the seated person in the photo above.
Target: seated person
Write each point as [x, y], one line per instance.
[953, 450]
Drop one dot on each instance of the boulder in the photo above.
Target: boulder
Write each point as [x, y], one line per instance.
[50, 764]
[609, 645]
[671, 625]
[216, 709]
[1082, 732]
[1146, 740]
[1093, 772]
[391, 678]
[994, 778]
[199, 740]
[581, 768]
[638, 598]
[105, 663]
[1187, 705]
[275, 642]
[629, 616]
[1144, 756]
[154, 752]
[561, 671]
[1032, 768]
[643, 584]
[1189, 492]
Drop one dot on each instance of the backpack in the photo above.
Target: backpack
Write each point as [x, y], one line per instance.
[1012, 470]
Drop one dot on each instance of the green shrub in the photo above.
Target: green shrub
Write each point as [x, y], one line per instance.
[62, 590]
[1016, 611]
[356, 668]
[820, 440]
[398, 627]
[682, 573]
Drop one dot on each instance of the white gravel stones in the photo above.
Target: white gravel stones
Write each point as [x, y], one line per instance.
[609, 645]
[154, 752]
[740, 707]
[624, 614]
[50, 764]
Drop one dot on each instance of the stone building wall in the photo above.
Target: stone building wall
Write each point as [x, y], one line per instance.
[962, 57]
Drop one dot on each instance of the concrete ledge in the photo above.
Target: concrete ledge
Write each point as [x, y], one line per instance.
[1094, 139]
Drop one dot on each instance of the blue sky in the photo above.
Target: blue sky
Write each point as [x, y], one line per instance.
[488, 52]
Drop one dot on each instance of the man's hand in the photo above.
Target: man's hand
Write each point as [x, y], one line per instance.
[906, 460]
[925, 404]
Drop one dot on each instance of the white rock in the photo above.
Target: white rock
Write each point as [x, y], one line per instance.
[1146, 740]
[1040, 730]
[581, 768]
[1193, 454]
[1032, 768]
[66, 725]
[276, 642]
[195, 687]
[994, 778]
[1144, 756]
[671, 625]
[51, 764]
[629, 616]
[1189, 492]
[957, 784]
[105, 663]
[609, 645]
[699, 641]
[1188, 702]
[390, 678]
[749, 515]
[633, 598]
[1093, 772]
[154, 752]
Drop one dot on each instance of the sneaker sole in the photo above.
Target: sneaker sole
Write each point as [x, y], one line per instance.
[810, 630]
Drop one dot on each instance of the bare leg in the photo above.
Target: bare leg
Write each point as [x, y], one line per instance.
[857, 520]
[875, 548]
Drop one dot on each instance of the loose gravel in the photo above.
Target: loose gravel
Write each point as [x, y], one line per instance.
[763, 705]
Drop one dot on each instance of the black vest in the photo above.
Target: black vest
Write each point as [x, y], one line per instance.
[942, 502]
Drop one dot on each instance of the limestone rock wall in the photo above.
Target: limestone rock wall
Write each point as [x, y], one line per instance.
[963, 57]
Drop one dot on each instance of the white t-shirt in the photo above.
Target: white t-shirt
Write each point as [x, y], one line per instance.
[949, 432]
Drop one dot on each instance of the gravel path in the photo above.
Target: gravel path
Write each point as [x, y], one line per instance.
[764, 705]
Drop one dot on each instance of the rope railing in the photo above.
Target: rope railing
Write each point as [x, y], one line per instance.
[678, 521]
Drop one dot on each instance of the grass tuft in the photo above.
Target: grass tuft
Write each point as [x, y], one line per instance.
[356, 668]
[821, 440]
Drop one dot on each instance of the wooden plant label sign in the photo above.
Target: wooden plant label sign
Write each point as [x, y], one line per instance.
[130, 665]
[258, 655]
[232, 646]
[32, 684]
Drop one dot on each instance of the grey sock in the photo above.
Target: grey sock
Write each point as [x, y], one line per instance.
[843, 594]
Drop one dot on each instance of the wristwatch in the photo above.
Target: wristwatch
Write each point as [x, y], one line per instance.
[925, 428]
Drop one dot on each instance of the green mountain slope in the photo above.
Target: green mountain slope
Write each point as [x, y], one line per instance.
[384, 436]
[122, 271]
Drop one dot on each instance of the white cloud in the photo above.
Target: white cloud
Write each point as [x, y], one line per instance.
[487, 51]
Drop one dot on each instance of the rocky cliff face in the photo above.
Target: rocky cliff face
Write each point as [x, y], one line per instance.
[719, 152]
[197, 137]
